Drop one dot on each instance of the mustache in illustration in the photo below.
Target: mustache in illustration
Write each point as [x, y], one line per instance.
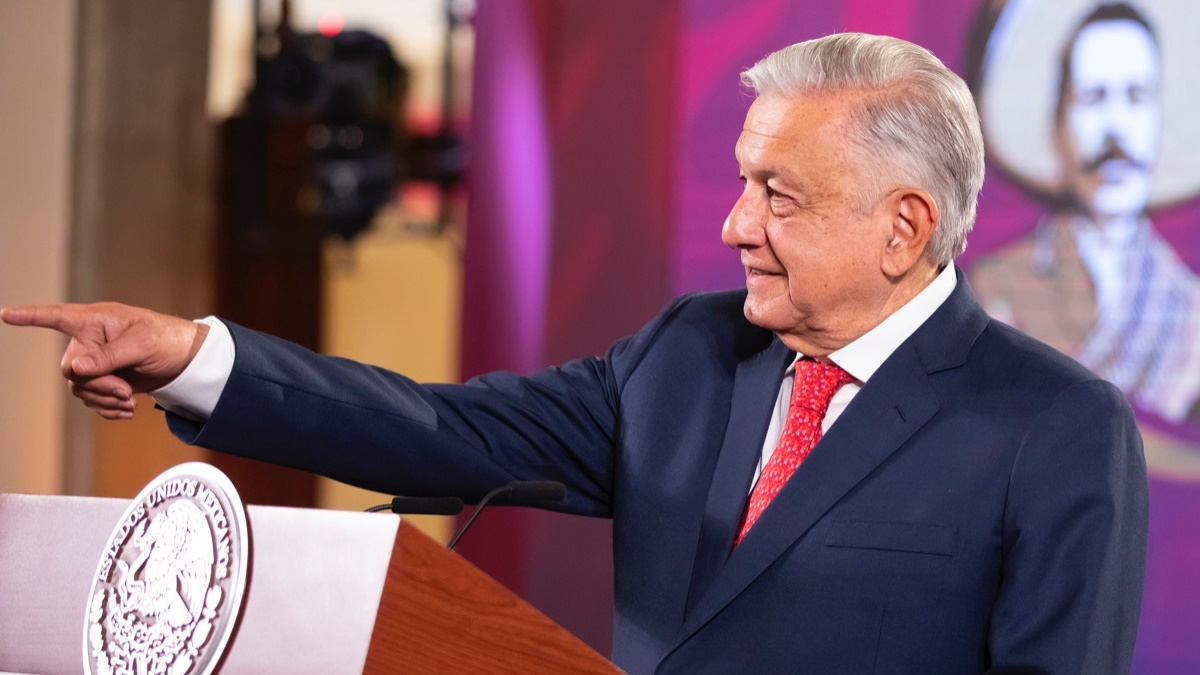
[1113, 151]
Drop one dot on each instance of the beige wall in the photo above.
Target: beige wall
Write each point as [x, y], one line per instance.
[36, 56]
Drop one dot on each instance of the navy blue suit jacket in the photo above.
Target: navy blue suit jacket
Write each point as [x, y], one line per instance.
[981, 503]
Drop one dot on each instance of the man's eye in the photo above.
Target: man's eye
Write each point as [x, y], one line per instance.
[1090, 96]
[770, 191]
[1140, 94]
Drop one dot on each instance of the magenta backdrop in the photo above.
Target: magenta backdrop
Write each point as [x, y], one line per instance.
[602, 141]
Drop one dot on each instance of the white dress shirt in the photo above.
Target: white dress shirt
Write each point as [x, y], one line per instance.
[195, 392]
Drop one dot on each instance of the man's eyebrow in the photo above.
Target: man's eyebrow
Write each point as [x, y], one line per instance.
[785, 181]
[776, 177]
[766, 172]
[763, 173]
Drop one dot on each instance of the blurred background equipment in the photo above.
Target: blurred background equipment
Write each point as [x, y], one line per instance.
[348, 91]
[321, 128]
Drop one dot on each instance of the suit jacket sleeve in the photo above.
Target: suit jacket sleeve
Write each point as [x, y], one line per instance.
[380, 430]
[1074, 540]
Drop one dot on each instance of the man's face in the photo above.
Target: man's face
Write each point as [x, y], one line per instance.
[810, 251]
[1111, 118]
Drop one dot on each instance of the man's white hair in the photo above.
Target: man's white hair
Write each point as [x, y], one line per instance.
[916, 124]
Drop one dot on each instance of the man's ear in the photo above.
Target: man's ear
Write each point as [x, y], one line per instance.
[914, 217]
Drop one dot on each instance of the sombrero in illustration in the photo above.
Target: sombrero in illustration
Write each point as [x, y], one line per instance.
[1019, 82]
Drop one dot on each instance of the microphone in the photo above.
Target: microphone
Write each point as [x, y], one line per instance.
[530, 492]
[435, 506]
[516, 493]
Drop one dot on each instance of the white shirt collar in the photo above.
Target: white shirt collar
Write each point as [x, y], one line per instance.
[862, 357]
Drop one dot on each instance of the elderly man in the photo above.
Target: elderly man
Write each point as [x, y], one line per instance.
[845, 468]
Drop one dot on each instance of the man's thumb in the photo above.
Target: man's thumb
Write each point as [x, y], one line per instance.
[86, 365]
[101, 360]
[127, 350]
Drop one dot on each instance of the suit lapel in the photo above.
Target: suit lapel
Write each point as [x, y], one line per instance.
[755, 388]
[897, 401]
[878, 421]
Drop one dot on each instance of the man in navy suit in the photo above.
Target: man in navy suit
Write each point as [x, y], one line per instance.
[975, 502]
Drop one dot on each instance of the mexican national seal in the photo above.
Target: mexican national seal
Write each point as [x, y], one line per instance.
[170, 581]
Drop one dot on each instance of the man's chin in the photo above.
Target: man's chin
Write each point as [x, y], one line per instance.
[1123, 199]
[763, 315]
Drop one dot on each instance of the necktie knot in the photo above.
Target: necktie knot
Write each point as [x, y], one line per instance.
[815, 384]
[813, 388]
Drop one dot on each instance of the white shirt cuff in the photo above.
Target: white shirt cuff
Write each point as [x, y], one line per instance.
[195, 392]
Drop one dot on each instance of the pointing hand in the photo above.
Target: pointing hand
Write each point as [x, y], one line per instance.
[115, 351]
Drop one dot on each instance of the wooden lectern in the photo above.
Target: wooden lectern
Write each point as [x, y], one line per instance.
[328, 592]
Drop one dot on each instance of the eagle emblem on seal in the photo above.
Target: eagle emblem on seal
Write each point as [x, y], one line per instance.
[170, 577]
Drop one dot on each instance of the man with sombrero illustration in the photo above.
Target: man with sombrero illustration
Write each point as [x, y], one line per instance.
[1101, 135]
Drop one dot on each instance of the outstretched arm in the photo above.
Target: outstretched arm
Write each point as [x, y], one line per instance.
[116, 351]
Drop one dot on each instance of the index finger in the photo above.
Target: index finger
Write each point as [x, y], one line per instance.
[64, 317]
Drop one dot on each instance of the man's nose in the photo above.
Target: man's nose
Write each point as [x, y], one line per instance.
[1121, 110]
[744, 227]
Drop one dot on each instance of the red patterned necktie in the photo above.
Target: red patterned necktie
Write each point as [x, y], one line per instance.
[812, 388]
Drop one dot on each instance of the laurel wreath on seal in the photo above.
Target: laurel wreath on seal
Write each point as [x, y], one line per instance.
[134, 648]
